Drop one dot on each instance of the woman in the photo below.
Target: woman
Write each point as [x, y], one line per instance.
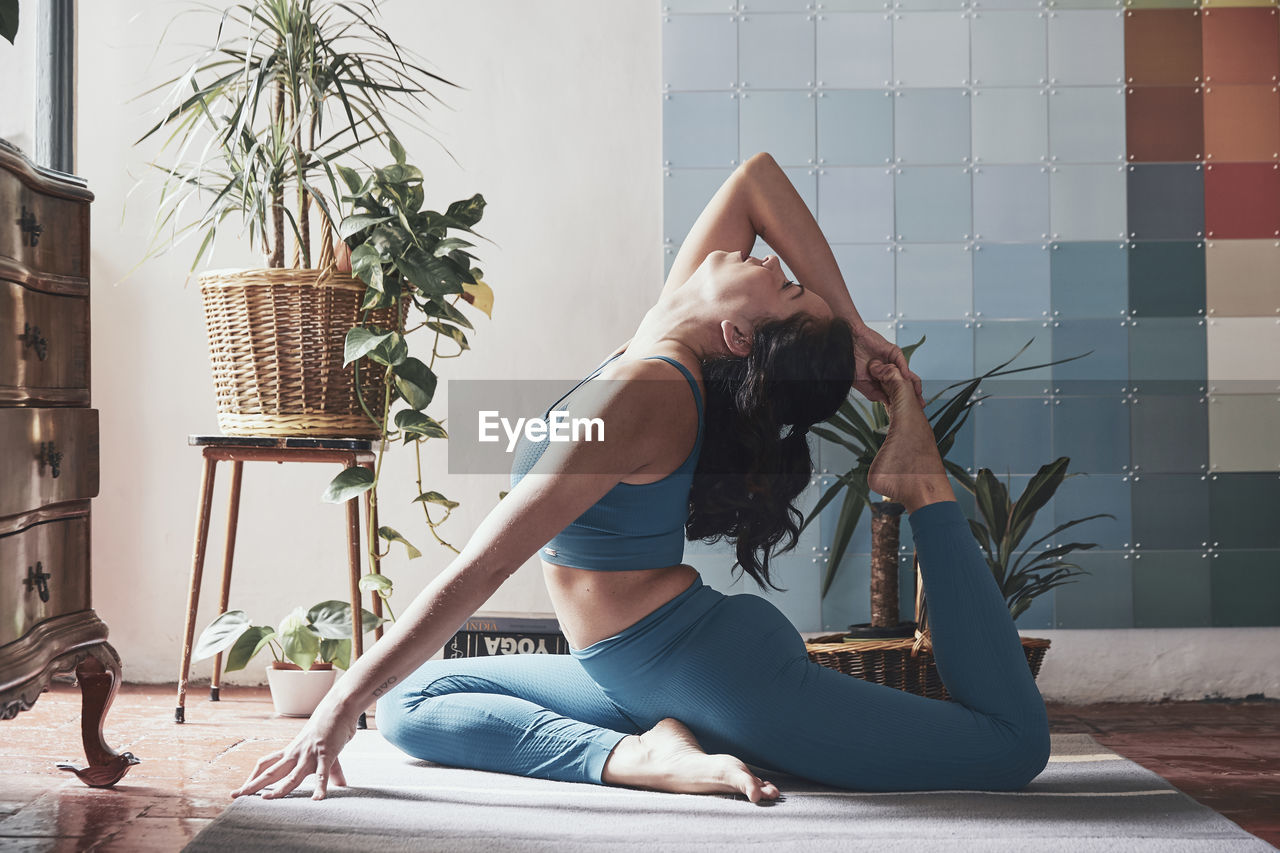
[671, 685]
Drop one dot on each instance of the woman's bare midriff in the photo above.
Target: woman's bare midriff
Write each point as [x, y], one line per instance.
[593, 606]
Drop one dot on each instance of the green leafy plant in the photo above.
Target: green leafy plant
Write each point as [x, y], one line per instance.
[256, 123]
[9, 20]
[412, 264]
[304, 637]
[1005, 523]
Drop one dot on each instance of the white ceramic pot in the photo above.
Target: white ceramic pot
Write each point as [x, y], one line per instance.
[297, 692]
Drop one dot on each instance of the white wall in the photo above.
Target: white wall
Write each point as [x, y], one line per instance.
[18, 90]
[559, 127]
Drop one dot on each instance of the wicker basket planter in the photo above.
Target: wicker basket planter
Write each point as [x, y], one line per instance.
[276, 341]
[891, 662]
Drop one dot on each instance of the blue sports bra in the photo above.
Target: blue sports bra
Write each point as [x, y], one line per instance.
[633, 526]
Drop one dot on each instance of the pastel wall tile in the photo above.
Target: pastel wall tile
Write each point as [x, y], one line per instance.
[685, 192]
[685, 6]
[1101, 599]
[1167, 278]
[1093, 431]
[1011, 5]
[935, 282]
[933, 204]
[1244, 350]
[1010, 280]
[1242, 201]
[855, 128]
[699, 129]
[1010, 125]
[1242, 278]
[1011, 203]
[930, 49]
[1168, 350]
[855, 50]
[855, 205]
[1009, 48]
[947, 353]
[997, 341]
[776, 51]
[1083, 496]
[868, 272]
[782, 123]
[1104, 345]
[1162, 47]
[1086, 48]
[828, 519]
[1089, 279]
[774, 5]
[1087, 202]
[1243, 432]
[1245, 588]
[1240, 45]
[1170, 433]
[1087, 124]
[829, 6]
[1171, 590]
[1012, 434]
[1100, 4]
[1166, 201]
[931, 126]
[848, 602]
[1242, 122]
[1242, 509]
[1039, 614]
[805, 180]
[1164, 124]
[1171, 511]
[699, 52]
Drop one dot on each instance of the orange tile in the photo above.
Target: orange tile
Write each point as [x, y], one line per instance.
[1240, 45]
[1242, 123]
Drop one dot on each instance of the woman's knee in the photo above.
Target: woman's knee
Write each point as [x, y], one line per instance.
[1027, 754]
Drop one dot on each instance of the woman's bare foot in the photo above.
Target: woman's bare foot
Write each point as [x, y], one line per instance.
[908, 468]
[668, 758]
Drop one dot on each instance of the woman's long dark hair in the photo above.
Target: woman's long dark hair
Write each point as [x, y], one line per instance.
[755, 459]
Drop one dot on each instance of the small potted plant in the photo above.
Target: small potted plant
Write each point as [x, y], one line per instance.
[307, 646]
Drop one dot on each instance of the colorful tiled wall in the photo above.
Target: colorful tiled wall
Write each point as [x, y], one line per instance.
[1096, 177]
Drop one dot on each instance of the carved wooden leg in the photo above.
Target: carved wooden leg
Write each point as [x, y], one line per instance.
[99, 678]
[197, 572]
[233, 518]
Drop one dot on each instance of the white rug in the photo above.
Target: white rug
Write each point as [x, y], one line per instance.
[1088, 799]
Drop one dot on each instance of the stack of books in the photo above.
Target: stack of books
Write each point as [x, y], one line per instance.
[487, 634]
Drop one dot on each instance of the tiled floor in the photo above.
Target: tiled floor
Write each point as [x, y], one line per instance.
[1225, 755]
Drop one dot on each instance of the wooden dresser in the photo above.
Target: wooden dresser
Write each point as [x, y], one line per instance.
[49, 455]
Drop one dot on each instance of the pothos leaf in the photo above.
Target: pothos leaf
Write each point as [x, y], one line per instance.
[352, 482]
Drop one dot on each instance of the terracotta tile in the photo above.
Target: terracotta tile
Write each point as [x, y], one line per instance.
[160, 834]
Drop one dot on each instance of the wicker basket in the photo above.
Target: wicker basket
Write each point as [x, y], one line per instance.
[891, 662]
[276, 341]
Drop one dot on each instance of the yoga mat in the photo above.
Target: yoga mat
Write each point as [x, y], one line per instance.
[1089, 798]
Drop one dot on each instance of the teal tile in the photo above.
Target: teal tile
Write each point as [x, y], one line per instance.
[1171, 511]
[1167, 279]
[1246, 588]
[1011, 280]
[849, 599]
[933, 204]
[1170, 434]
[1039, 615]
[997, 341]
[1104, 345]
[1171, 590]
[1101, 599]
[1012, 434]
[1089, 280]
[1244, 510]
[1042, 524]
[1082, 496]
[931, 126]
[1087, 202]
[1168, 352]
[855, 128]
[947, 352]
[1093, 432]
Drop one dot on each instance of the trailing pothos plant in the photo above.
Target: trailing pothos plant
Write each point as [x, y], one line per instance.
[417, 273]
[862, 428]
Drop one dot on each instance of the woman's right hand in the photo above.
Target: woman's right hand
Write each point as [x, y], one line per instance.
[314, 750]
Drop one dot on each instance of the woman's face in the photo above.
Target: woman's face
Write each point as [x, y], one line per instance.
[765, 290]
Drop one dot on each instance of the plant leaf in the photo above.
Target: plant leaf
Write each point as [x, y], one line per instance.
[379, 583]
[301, 644]
[415, 382]
[436, 498]
[480, 295]
[352, 482]
[468, 211]
[850, 512]
[252, 641]
[417, 423]
[357, 222]
[331, 619]
[360, 341]
[392, 351]
[221, 634]
[337, 652]
[391, 535]
[452, 332]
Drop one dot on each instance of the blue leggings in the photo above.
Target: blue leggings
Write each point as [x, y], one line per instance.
[735, 671]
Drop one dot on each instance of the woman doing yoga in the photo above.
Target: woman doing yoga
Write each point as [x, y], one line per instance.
[671, 685]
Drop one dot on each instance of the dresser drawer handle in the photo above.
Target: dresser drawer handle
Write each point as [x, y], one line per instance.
[31, 229]
[51, 457]
[32, 338]
[38, 579]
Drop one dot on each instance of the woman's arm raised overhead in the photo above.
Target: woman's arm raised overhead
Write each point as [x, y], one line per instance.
[759, 200]
[566, 481]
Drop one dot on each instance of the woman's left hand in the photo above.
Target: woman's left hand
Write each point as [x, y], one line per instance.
[869, 344]
[314, 750]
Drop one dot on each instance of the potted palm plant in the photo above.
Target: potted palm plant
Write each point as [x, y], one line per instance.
[252, 132]
[308, 647]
